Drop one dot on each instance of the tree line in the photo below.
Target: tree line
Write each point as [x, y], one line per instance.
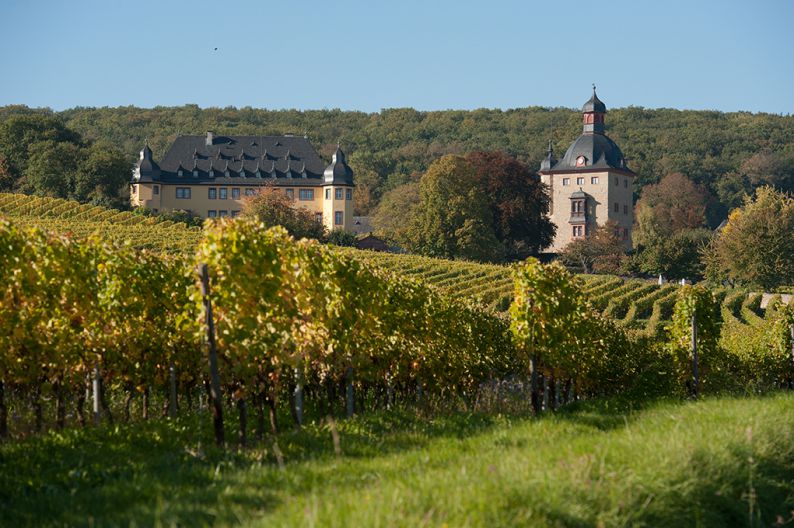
[727, 153]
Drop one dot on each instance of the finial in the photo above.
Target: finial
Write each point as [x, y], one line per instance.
[550, 148]
[593, 88]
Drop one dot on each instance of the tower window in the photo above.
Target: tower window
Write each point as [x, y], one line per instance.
[578, 231]
[625, 233]
[626, 183]
[617, 207]
[617, 180]
[338, 193]
[328, 194]
[348, 194]
[579, 181]
[338, 218]
[625, 209]
[566, 181]
[594, 180]
[156, 190]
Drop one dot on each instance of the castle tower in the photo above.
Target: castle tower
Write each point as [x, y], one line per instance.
[591, 184]
[338, 193]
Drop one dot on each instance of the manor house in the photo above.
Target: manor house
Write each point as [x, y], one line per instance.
[591, 184]
[210, 175]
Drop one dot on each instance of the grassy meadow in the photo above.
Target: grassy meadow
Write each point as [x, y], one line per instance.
[717, 462]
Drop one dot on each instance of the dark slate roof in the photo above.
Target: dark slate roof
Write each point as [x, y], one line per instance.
[146, 166]
[594, 104]
[599, 151]
[338, 172]
[549, 161]
[290, 160]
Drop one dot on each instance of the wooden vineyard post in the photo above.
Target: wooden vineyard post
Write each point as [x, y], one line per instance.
[350, 407]
[172, 393]
[95, 389]
[791, 331]
[695, 375]
[299, 396]
[3, 412]
[215, 379]
[389, 391]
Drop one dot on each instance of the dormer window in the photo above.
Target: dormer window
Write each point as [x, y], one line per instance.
[195, 173]
[242, 173]
[289, 174]
[179, 173]
[226, 173]
[258, 174]
[212, 173]
[581, 161]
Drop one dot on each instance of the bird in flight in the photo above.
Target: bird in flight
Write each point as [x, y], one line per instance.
[216, 49]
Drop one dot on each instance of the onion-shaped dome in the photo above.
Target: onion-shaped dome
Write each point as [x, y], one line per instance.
[338, 172]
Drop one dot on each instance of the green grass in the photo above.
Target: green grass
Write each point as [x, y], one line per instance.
[720, 462]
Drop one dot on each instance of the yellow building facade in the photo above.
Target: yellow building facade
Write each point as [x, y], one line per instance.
[210, 176]
[591, 184]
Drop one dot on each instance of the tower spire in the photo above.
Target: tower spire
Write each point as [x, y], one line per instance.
[593, 114]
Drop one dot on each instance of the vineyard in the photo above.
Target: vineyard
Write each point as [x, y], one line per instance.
[281, 338]
[638, 306]
[81, 220]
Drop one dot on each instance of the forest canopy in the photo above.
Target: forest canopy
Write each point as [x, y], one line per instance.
[727, 153]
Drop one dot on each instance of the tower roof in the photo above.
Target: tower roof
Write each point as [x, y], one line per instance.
[594, 104]
[593, 149]
[338, 172]
[598, 151]
[147, 168]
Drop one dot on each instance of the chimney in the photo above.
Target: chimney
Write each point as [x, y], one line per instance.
[210, 137]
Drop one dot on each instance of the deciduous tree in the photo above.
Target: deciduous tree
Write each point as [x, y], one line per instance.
[454, 219]
[273, 207]
[756, 246]
[518, 201]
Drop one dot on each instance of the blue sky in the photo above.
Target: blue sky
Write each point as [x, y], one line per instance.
[368, 55]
